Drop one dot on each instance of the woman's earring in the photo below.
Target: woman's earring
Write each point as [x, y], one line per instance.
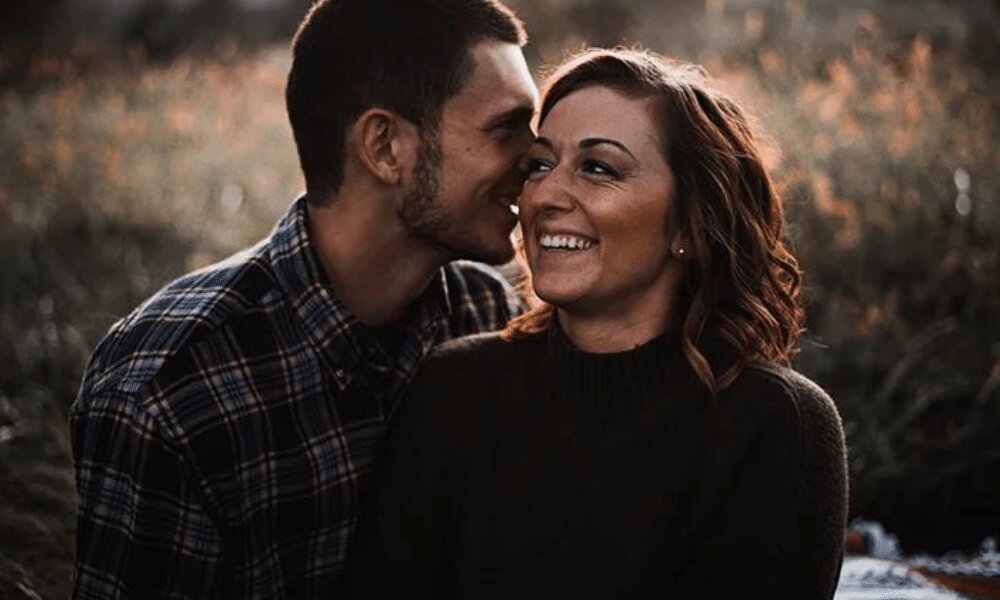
[680, 252]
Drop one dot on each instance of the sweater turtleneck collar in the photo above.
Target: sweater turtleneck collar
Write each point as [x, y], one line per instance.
[611, 385]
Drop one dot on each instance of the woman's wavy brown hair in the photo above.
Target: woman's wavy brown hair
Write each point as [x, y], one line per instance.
[741, 285]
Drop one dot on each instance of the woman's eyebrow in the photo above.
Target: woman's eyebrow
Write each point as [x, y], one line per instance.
[588, 142]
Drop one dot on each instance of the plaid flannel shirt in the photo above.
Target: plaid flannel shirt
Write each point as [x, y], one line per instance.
[223, 429]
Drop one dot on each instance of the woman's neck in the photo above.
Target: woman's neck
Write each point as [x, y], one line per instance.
[605, 333]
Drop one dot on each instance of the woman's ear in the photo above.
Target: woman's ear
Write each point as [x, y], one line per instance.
[385, 145]
[680, 246]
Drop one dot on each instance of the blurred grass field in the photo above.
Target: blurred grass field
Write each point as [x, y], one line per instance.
[883, 123]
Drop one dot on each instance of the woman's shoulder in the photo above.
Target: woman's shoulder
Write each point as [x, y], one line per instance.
[786, 392]
[459, 385]
[792, 381]
[473, 361]
[472, 349]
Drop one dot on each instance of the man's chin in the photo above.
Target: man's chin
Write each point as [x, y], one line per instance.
[496, 254]
[495, 258]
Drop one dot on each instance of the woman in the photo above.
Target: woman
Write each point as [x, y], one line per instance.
[633, 436]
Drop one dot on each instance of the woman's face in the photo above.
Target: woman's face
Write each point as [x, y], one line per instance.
[594, 210]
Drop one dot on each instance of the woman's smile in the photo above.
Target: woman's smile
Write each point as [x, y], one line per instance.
[565, 241]
[596, 205]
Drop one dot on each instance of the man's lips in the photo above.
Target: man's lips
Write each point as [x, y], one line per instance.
[508, 201]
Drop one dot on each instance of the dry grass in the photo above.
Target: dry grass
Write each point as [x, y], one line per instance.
[115, 185]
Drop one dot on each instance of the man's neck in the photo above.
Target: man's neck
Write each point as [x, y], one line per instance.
[376, 266]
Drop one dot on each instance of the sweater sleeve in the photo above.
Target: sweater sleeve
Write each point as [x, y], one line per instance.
[399, 547]
[780, 527]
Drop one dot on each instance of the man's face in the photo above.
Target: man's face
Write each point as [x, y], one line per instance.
[467, 178]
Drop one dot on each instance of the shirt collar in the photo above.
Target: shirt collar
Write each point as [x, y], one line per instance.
[344, 343]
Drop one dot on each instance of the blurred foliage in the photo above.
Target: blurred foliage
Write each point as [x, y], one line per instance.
[111, 186]
[882, 119]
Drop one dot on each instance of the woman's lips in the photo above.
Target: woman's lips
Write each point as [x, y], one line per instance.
[565, 241]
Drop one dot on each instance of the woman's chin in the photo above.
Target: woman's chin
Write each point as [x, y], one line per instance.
[560, 294]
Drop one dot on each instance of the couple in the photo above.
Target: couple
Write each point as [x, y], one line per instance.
[630, 436]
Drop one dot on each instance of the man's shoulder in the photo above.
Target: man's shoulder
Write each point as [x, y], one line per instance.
[482, 299]
[473, 277]
[182, 313]
[470, 348]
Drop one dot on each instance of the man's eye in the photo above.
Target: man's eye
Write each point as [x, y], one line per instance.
[507, 128]
[502, 128]
[596, 167]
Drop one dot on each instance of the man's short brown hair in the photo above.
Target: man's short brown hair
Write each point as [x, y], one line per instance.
[408, 56]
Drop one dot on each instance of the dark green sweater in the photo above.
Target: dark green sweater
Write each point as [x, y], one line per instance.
[528, 469]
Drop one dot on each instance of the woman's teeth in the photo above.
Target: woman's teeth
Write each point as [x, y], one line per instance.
[567, 242]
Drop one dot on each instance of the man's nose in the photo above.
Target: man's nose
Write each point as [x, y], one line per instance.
[523, 138]
[513, 180]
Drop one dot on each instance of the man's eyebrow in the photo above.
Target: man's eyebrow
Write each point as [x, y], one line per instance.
[588, 142]
[520, 113]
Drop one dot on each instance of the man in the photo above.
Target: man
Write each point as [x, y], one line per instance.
[223, 428]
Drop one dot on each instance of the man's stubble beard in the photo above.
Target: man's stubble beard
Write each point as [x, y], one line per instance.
[422, 212]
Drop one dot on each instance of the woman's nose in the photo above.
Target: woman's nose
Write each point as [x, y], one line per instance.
[550, 194]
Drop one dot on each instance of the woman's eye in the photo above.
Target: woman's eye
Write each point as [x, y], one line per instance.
[535, 166]
[596, 167]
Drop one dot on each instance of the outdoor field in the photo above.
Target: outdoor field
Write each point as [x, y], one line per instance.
[142, 142]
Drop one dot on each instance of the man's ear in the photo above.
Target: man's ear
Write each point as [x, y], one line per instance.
[385, 144]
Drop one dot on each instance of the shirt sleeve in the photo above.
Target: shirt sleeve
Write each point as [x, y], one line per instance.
[780, 530]
[142, 529]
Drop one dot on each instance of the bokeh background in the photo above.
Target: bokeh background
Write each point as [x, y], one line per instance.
[143, 138]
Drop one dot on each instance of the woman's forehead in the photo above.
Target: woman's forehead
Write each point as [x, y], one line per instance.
[601, 111]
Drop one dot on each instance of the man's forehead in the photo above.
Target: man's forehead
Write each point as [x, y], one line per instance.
[500, 80]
